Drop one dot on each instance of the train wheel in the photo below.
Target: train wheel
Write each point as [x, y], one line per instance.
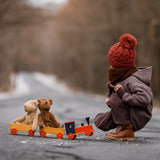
[31, 133]
[59, 135]
[88, 133]
[71, 136]
[13, 131]
[42, 133]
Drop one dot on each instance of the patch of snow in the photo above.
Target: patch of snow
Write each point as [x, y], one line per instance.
[43, 3]
[51, 81]
[21, 88]
[23, 142]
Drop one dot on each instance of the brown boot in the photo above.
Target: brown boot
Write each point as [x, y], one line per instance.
[116, 130]
[122, 133]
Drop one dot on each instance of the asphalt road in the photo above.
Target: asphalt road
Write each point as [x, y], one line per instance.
[70, 106]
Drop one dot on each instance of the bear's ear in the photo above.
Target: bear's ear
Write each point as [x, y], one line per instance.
[38, 101]
[51, 102]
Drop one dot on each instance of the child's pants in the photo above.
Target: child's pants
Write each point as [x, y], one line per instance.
[118, 115]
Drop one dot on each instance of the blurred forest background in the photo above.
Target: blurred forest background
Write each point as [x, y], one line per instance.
[72, 40]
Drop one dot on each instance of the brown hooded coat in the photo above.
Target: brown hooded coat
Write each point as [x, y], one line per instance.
[133, 104]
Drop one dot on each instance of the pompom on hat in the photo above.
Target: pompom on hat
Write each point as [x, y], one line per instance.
[123, 54]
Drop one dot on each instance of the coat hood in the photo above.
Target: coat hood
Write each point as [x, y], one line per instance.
[144, 74]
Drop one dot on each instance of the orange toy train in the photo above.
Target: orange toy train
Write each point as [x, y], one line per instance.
[71, 130]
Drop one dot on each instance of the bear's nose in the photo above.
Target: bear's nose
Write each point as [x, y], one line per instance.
[24, 106]
[46, 102]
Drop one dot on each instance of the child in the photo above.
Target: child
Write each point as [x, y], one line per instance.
[130, 96]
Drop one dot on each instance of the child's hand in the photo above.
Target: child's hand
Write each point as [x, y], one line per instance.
[117, 87]
[107, 101]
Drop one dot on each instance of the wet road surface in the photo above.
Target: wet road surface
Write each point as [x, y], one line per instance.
[69, 106]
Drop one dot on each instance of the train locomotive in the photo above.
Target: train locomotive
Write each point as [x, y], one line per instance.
[70, 129]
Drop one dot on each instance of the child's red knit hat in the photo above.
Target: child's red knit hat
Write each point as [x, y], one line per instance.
[122, 54]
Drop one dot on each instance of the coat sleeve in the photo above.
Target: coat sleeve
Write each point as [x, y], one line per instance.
[139, 95]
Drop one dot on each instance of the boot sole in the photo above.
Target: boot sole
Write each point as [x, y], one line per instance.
[120, 139]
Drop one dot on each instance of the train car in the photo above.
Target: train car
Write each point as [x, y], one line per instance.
[21, 127]
[72, 131]
[49, 130]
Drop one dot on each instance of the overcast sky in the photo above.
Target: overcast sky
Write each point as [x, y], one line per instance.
[42, 3]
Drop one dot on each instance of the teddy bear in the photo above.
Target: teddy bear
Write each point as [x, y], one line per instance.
[46, 118]
[31, 118]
